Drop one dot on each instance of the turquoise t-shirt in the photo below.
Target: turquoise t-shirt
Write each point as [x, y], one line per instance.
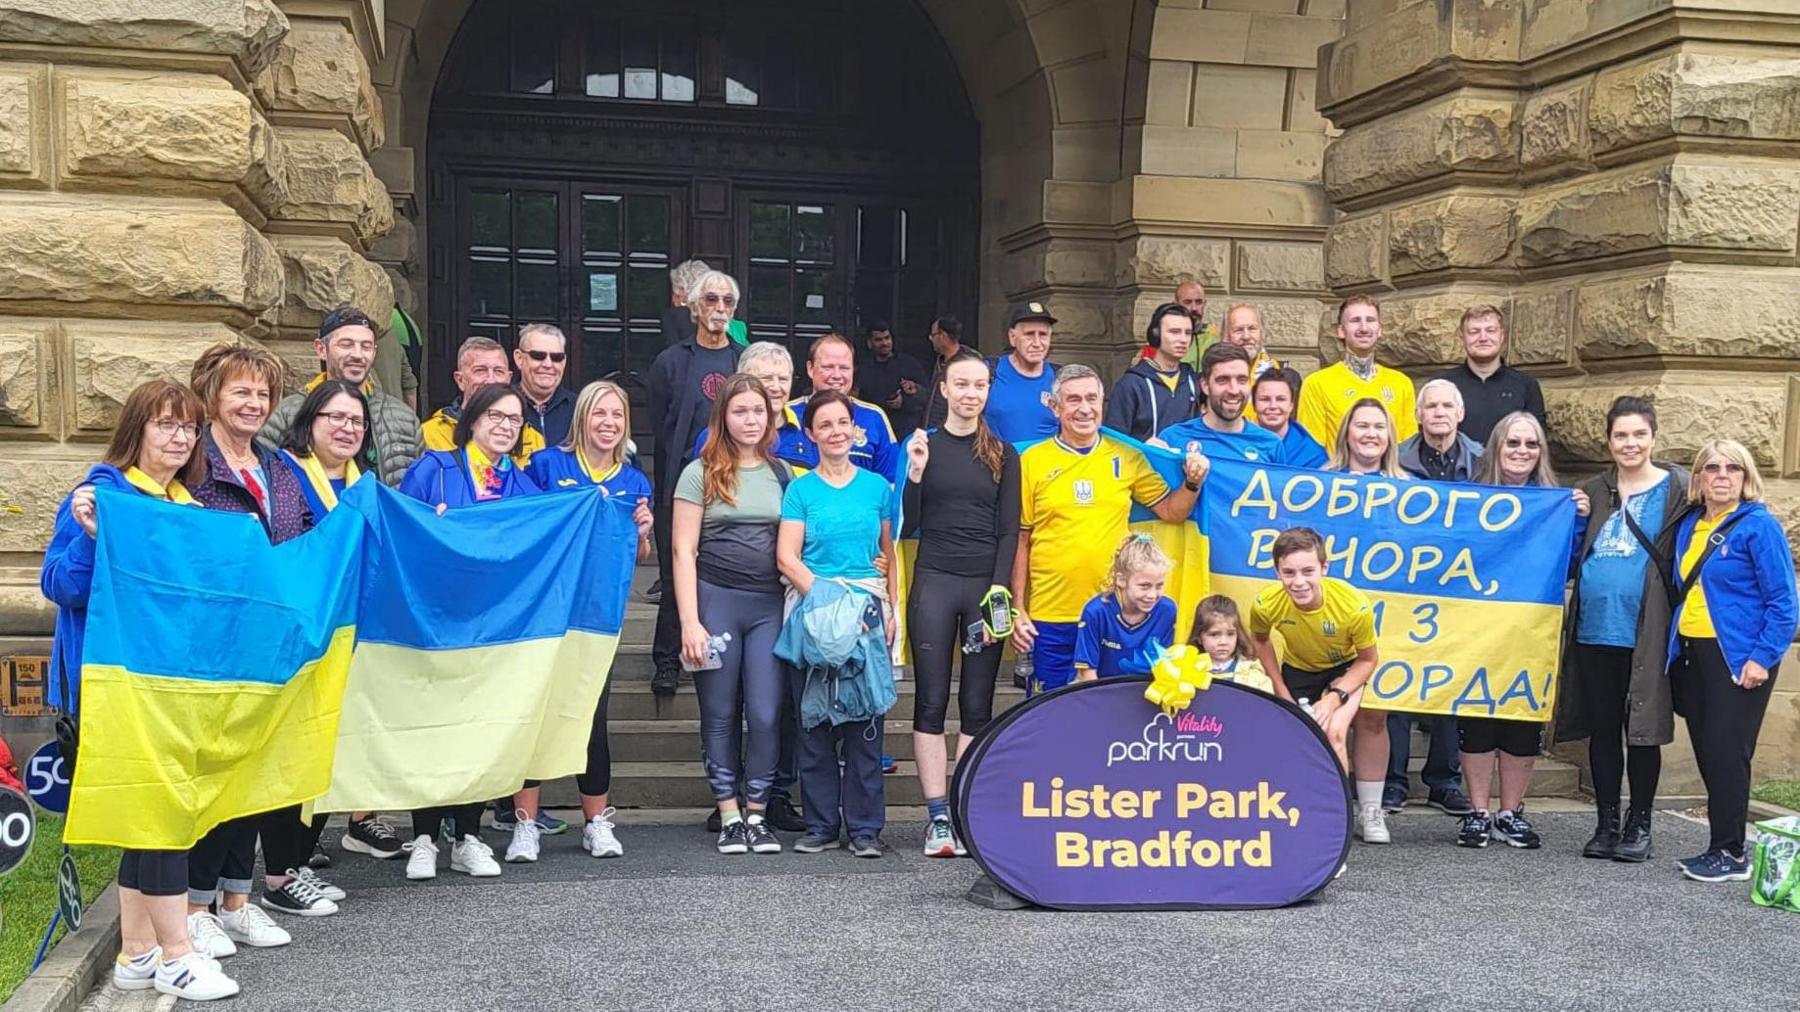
[843, 525]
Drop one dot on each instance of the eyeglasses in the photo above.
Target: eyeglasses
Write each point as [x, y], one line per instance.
[1721, 467]
[169, 426]
[719, 299]
[554, 356]
[502, 420]
[1528, 444]
[345, 420]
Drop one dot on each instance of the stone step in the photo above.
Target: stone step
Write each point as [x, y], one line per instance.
[633, 700]
[676, 740]
[681, 785]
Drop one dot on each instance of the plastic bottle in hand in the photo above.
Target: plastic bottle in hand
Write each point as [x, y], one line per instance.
[715, 653]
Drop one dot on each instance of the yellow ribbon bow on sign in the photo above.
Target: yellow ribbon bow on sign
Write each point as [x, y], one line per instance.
[1176, 675]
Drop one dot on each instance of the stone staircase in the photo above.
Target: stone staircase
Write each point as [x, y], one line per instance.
[656, 741]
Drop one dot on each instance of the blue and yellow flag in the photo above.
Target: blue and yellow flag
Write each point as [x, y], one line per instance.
[1466, 580]
[390, 658]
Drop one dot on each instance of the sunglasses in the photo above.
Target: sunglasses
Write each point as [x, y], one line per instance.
[1714, 467]
[554, 356]
[1515, 444]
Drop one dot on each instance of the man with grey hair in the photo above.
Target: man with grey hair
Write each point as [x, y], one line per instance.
[677, 321]
[1439, 452]
[479, 361]
[1075, 497]
[684, 380]
[542, 357]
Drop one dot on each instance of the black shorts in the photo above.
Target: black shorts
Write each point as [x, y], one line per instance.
[1310, 685]
[1480, 735]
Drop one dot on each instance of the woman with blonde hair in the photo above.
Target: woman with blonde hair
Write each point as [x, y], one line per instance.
[1365, 442]
[593, 454]
[1734, 616]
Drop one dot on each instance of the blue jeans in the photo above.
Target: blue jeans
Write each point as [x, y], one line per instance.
[1443, 766]
[855, 789]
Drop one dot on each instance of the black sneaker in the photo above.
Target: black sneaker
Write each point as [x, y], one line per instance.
[373, 837]
[1450, 801]
[653, 593]
[1474, 831]
[1514, 830]
[300, 898]
[867, 846]
[735, 838]
[784, 816]
[666, 681]
[1718, 866]
[1393, 798]
[712, 821]
[816, 843]
[761, 840]
[319, 859]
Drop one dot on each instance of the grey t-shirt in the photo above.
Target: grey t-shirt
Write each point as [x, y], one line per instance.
[737, 543]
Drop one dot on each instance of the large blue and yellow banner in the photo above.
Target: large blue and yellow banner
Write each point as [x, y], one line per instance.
[1466, 580]
[391, 658]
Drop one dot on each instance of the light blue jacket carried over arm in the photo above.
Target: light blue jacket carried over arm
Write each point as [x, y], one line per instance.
[845, 659]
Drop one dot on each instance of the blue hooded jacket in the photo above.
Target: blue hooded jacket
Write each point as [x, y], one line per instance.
[442, 478]
[66, 579]
[1749, 585]
[844, 661]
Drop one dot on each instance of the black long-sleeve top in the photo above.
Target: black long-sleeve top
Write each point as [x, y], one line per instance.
[966, 522]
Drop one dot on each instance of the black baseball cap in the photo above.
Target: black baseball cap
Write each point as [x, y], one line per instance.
[1022, 311]
[345, 316]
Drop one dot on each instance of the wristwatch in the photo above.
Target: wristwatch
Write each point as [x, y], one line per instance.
[1343, 697]
[1191, 486]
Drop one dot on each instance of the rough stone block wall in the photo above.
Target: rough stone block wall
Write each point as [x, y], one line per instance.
[171, 176]
[1622, 177]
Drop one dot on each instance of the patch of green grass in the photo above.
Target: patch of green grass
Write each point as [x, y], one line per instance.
[1785, 793]
[28, 896]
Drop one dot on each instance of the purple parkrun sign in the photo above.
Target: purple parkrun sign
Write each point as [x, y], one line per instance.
[1092, 798]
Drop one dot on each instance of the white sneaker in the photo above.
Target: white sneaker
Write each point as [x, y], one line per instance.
[208, 936]
[423, 862]
[1371, 825]
[136, 974]
[474, 858]
[597, 836]
[194, 977]
[317, 881]
[250, 925]
[524, 846]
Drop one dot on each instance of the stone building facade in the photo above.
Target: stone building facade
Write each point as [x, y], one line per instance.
[1621, 175]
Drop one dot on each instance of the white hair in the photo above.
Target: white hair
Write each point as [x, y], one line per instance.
[711, 279]
[1069, 374]
[684, 274]
[1455, 394]
[762, 350]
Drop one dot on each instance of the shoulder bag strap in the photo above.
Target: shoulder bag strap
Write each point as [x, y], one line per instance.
[1683, 585]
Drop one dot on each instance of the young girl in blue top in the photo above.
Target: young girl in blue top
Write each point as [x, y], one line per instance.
[1121, 629]
[593, 454]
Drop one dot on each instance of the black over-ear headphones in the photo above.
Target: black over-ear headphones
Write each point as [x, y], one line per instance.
[1153, 333]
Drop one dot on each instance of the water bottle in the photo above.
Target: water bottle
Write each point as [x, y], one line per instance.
[715, 653]
[1304, 704]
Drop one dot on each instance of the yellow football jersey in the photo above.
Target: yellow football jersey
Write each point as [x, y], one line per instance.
[1077, 508]
[1320, 639]
[1326, 396]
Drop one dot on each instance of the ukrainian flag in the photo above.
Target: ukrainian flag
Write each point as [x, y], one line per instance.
[390, 658]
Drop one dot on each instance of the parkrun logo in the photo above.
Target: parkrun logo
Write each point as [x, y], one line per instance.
[1172, 739]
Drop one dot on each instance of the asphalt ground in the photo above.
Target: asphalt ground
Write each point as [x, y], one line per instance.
[1419, 924]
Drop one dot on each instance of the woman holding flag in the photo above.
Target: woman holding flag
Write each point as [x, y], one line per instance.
[1517, 453]
[489, 431]
[961, 500]
[593, 454]
[151, 453]
[239, 385]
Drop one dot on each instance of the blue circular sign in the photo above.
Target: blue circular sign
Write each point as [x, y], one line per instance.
[1092, 798]
[47, 778]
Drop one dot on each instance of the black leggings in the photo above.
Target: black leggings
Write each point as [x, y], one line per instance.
[154, 872]
[939, 608]
[288, 841]
[466, 817]
[1604, 684]
[1723, 720]
[597, 778]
